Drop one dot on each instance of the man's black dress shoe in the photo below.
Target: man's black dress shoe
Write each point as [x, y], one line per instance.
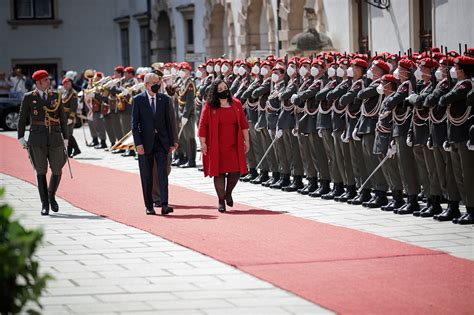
[150, 211]
[166, 210]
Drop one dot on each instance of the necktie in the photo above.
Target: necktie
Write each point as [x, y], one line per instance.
[45, 96]
[153, 108]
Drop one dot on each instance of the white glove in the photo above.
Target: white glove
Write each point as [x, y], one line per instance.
[66, 141]
[354, 135]
[279, 133]
[294, 132]
[469, 146]
[320, 133]
[343, 137]
[446, 146]
[392, 150]
[69, 121]
[429, 144]
[412, 98]
[23, 143]
[184, 120]
[293, 98]
[409, 142]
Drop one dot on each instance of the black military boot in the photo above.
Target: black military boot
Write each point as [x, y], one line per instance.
[75, 147]
[53, 187]
[273, 180]
[468, 218]
[434, 208]
[337, 190]
[323, 189]
[251, 175]
[178, 159]
[426, 207]
[379, 200]
[396, 202]
[336, 198]
[263, 177]
[69, 147]
[295, 185]
[351, 193]
[94, 142]
[43, 192]
[311, 187]
[363, 196]
[452, 212]
[182, 161]
[283, 182]
[102, 145]
[192, 156]
[410, 206]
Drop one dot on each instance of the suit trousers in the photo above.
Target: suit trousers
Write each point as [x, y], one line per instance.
[99, 125]
[343, 159]
[328, 142]
[463, 169]
[357, 156]
[407, 164]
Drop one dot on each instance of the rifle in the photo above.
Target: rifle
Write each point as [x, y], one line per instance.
[448, 75]
[433, 76]
[287, 77]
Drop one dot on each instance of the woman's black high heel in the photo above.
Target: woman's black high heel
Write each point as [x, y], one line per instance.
[221, 208]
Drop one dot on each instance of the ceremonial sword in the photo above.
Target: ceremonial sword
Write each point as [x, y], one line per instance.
[278, 135]
[375, 170]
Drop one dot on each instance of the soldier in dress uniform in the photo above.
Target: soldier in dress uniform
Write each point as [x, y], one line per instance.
[113, 102]
[237, 77]
[199, 99]
[260, 94]
[69, 100]
[125, 108]
[423, 148]
[384, 145]
[47, 139]
[97, 117]
[325, 128]
[365, 131]
[459, 123]
[341, 145]
[186, 111]
[356, 71]
[438, 132]
[227, 72]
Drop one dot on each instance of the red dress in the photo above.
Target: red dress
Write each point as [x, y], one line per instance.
[228, 155]
[222, 128]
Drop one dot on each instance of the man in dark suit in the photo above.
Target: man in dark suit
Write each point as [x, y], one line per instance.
[154, 139]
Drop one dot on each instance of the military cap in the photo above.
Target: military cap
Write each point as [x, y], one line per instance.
[40, 75]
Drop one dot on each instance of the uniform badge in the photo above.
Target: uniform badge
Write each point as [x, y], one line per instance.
[34, 101]
[35, 112]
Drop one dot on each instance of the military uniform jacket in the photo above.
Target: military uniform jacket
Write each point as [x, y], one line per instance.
[458, 112]
[286, 120]
[128, 99]
[384, 127]
[48, 121]
[438, 125]
[203, 89]
[402, 110]
[234, 87]
[273, 106]
[241, 88]
[229, 79]
[186, 95]
[250, 102]
[353, 106]
[303, 124]
[339, 110]
[324, 120]
[69, 100]
[261, 93]
[420, 127]
[371, 102]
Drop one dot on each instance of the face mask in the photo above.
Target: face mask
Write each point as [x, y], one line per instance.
[439, 75]
[264, 71]
[167, 72]
[390, 66]
[242, 71]
[331, 72]
[223, 95]
[199, 74]
[255, 69]
[224, 68]
[396, 74]
[209, 69]
[453, 73]
[182, 74]
[155, 88]
[174, 71]
[418, 74]
[314, 71]
[340, 72]
[217, 68]
[275, 77]
[303, 71]
[350, 72]
[290, 71]
[370, 74]
[380, 89]
[236, 70]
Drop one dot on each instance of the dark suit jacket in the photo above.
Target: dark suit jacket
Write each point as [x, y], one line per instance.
[145, 124]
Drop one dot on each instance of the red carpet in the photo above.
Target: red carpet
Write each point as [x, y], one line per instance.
[341, 269]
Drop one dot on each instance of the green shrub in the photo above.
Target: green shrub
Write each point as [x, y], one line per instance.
[20, 281]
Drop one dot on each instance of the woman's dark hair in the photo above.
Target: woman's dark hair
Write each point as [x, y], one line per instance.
[213, 99]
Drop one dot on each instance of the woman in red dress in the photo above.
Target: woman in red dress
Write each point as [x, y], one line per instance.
[224, 136]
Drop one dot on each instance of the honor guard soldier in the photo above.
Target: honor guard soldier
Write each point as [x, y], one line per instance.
[460, 121]
[69, 100]
[186, 111]
[47, 139]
